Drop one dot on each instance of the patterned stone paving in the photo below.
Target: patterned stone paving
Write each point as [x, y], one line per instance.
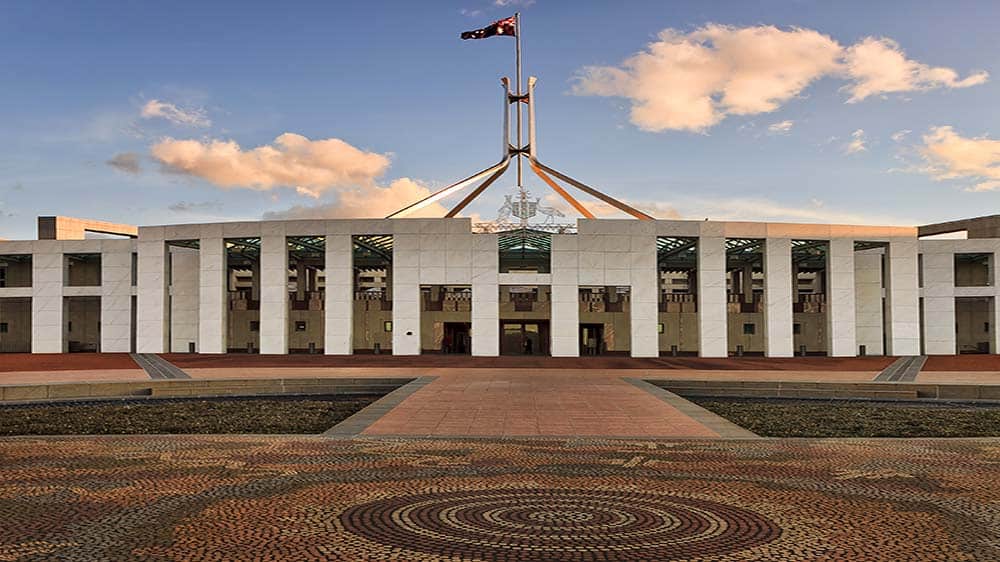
[282, 498]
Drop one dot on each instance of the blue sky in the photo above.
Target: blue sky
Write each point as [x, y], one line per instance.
[410, 100]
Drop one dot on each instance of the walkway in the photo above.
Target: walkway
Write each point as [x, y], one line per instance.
[530, 404]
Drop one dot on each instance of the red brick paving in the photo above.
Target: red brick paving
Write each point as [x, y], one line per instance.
[963, 363]
[65, 361]
[535, 404]
[186, 361]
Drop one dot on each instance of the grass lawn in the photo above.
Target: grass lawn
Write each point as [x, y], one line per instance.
[292, 414]
[841, 418]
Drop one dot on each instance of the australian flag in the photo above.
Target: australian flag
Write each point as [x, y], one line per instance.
[506, 26]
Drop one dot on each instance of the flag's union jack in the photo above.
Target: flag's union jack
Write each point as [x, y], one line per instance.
[506, 26]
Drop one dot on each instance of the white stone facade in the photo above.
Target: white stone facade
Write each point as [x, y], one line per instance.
[896, 297]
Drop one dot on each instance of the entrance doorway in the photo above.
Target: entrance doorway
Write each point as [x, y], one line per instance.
[524, 338]
[591, 339]
[456, 338]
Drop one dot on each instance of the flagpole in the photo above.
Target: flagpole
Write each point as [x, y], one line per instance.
[517, 52]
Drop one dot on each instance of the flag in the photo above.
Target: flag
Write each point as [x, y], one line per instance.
[506, 26]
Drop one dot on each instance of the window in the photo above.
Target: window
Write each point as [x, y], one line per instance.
[3, 327]
[796, 329]
[986, 327]
[69, 326]
[387, 325]
[300, 326]
[254, 326]
[660, 328]
[749, 329]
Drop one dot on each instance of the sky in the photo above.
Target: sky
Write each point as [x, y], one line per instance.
[781, 110]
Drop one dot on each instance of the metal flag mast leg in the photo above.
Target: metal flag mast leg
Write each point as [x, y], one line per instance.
[517, 151]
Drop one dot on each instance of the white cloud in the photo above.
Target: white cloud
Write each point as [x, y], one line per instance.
[858, 143]
[311, 167]
[341, 177]
[503, 3]
[367, 201]
[692, 81]
[879, 66]
[898, 136]
[176, 115]
[781, 128]
[948, 155]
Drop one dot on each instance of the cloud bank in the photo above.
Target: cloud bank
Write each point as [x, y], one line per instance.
[342, 177]
[692, 81]
[371, 201]
[312, 167]
[948, 155]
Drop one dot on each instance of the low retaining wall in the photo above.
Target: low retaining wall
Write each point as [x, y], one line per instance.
[191, 388]
[862, 390]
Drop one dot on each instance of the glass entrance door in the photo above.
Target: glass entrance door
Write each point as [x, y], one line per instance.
[524, 338]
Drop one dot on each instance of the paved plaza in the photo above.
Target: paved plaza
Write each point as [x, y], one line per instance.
[283, 498]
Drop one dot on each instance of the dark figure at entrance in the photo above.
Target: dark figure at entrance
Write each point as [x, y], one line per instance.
[527, 346]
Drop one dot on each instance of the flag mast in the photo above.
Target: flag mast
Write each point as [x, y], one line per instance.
[520, 93]
[516, 151]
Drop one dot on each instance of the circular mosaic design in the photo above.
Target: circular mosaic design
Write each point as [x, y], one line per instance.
[559, 525]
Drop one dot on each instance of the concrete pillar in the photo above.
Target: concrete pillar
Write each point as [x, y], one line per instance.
[339, 312]
[902, 298]
[212, 296]
[778, 295]
[405, 297]
[995, 328]
[183, 299]
[274, 294]
[151, 299]
[868, 301]
[302, 275]
[47, 298]
[565, 311]
[840, 296]
[712, 320]
[939, 301]
[486, 295]
[255, 281]
[116, 296]
[746, 283]
[644, 308]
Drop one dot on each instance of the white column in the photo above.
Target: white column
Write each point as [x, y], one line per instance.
[565, 311]
[406, 296]
[868, 301]
[712, 321]
[840, 307]
[644, 305]
[939, 300]
[47, 298]
[902, 298]
[183, 299]
[116, 296]
[274, 293]
[151, 297]
[485, 296]
[212, 305]
[778, 340]
[339, 313]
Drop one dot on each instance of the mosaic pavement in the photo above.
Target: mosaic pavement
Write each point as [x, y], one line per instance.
[284, 498]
